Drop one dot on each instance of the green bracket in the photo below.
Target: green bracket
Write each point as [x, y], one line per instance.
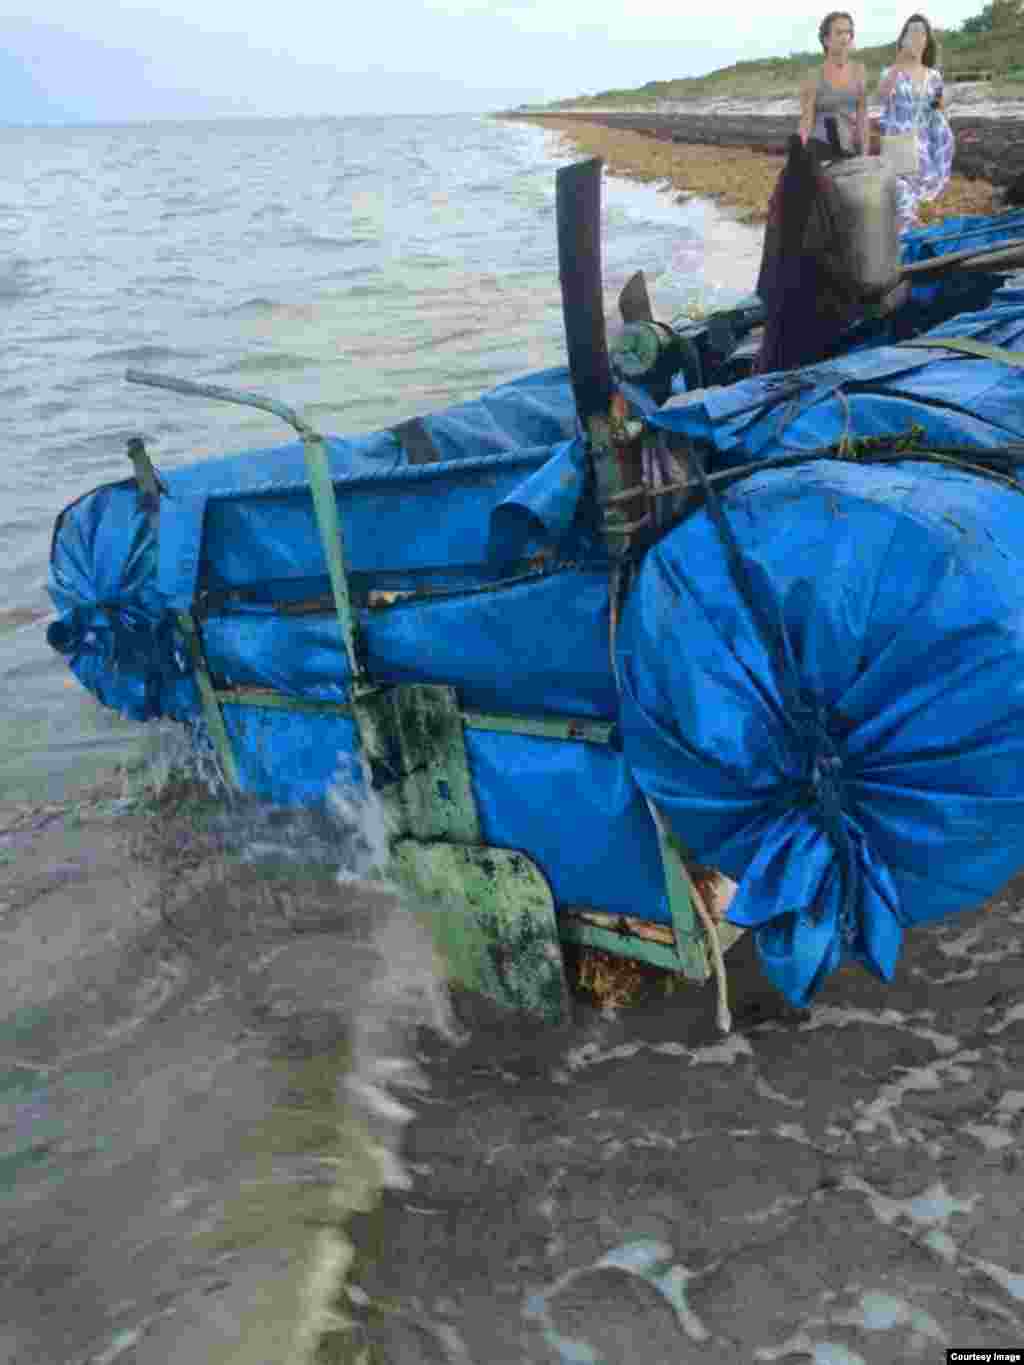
[691, 948]
[492, 916]
[211, 704]
[490, 909]
[573, 929]
[150, 491]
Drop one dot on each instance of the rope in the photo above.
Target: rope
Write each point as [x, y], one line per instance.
[990, 464]
[804, 717]
[617, 585]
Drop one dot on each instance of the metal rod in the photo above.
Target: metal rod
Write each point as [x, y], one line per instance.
[581, 729]
[219, 736]
[243, 396]
[979, 258]
[325, 504]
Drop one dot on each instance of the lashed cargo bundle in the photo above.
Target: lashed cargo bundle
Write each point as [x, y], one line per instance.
[822, 692]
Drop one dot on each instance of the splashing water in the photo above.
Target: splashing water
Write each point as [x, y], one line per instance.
[247, 1108]
[393, 986]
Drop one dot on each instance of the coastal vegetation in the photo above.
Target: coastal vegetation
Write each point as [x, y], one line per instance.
[989, 46]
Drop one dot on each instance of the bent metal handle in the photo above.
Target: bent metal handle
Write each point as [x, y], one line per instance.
[325, 504]
[249, 400]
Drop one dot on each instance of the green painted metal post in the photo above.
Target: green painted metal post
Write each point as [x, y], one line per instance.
[690, 944]
[212, 712]
[325, 507]
[325, 504]
[150, 489]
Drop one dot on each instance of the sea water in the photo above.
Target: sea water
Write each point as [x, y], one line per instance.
[361, 270]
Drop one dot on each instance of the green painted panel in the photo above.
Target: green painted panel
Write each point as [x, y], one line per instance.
[493, 919]
[414, 741]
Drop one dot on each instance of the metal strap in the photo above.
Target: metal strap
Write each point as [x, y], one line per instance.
[211, 702]
[968, 346]
[325, 506]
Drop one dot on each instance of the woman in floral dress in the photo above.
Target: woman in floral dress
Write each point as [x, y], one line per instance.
[911, 95]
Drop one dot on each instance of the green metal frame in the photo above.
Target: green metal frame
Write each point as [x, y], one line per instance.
[208, 696]
[496, 906]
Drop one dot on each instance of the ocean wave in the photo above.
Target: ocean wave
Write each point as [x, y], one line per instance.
[199, 211]
[274, 361]
[178, 277]
[373, 289]
[145, 354]
[324, 241]
[346, 272]
[261, 308]
[53, 408]
[18, 281]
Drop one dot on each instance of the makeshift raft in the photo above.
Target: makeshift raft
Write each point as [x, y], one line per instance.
[583, 640]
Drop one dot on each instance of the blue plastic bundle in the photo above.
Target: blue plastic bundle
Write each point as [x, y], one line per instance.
[823, 669]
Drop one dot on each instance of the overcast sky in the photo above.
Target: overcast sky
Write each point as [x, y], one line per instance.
[97, 61]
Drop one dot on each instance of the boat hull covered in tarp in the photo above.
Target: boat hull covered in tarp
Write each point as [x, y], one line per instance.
[862, 780]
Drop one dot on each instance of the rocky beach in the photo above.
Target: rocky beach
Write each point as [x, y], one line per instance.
[732, 150]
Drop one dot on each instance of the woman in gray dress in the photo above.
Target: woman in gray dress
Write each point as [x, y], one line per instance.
[833, 100]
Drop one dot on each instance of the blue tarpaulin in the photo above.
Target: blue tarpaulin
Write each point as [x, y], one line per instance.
[823, 693]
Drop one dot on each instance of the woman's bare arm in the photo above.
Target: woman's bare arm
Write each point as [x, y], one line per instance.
[861, 141]
[808, 97]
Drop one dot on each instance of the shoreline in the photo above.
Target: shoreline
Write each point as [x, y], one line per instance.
[736, 160]
[964, 99]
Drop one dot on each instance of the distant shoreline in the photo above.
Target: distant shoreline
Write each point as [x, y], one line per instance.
[964, 99]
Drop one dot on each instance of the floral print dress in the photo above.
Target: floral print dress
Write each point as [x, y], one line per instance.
[911, 109]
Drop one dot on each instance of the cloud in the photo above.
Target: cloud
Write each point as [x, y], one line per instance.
[199, 58]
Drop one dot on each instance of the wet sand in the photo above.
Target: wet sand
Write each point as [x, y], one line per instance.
[175, 1029]
[838, 1185]
[736, 158]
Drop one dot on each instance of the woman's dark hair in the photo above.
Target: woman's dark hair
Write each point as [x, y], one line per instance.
[825, 27]
[930, 54]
